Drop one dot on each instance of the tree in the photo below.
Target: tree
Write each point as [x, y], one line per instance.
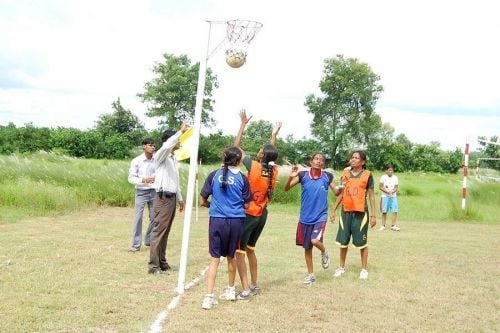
[171, 94]
[212, 146]
[121, 122]
[489, 149]
[344, 117]
[257, 134]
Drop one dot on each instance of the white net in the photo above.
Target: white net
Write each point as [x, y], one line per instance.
[488, 169]
[239, 34]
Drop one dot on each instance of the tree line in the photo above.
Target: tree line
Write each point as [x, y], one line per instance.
[104, 142]
[344, 119]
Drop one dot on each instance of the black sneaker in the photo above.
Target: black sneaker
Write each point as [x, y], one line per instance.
[157, 272]
[166, 267]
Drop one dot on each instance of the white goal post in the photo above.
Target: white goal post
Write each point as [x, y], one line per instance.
[490, 174]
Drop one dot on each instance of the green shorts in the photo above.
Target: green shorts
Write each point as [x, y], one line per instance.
[355, 224]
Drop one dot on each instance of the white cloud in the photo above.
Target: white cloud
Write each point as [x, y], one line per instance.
[65, 62]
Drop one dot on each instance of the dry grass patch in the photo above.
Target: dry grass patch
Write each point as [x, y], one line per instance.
[74, 274]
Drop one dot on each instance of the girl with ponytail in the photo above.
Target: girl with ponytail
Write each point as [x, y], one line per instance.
[262, 175]
[230, 192]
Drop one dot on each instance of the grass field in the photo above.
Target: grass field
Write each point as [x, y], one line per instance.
[72, 273]
[64, 267]
[47, 184]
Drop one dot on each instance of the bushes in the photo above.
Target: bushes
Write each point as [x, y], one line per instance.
[103, 143]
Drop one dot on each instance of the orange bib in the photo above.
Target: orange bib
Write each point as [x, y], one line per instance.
[259, 184]
[354, 196]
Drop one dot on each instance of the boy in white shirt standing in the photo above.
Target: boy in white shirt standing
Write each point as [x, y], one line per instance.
[388, 185]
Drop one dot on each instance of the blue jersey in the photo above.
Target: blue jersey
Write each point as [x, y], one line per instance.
[314, 196]
[228, 203]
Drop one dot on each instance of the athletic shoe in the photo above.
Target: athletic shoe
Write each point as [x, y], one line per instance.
[255, 290]
[395, 228]
[310, 279]
[325, 260]
[157, 272]
[134, 250]
[208, 302]
[229, 294]
[363, 275]
[244, 296]
[339, 272]
[382, 228]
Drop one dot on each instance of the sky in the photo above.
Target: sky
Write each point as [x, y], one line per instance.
[63, 62]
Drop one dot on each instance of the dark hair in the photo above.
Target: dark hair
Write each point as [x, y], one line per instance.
[388, 166]
[231, 157]
[317, 153]
[166, 135]
[270, 156]
[148, 141]
[362, 155]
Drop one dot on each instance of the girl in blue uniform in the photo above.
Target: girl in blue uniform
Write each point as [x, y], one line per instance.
[315, 183]
[230, 192]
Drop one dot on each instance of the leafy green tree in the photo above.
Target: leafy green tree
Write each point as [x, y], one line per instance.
[426, 157]
[8, 139]
[171, 94]
[344, 116]
[114, 147]
[294, 151]
[385, 149]
[452, 161]
[490, 150]
[256, 135]
[121, 122]
[32, 139]
[67, 141]
[212, 146]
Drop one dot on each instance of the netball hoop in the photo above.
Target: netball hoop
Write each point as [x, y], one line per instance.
[239, 34]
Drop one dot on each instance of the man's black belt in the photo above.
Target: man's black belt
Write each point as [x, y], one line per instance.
[166, 194]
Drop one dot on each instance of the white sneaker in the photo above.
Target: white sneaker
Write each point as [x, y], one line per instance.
[325, 260]
[208, 302]
[310, 279]
[363, 275]
[395, 228]
[382, 228]
[339, 272]
[229, 294]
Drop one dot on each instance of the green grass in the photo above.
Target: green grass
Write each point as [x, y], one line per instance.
[48, 184]
[73, 273]
[64, 267]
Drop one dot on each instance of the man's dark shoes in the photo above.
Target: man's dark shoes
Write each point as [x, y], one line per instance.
[157, 272]
[166, 267]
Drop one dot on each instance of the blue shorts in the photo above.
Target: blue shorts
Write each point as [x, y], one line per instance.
[389, 204]
[224, 236]
[308, 232]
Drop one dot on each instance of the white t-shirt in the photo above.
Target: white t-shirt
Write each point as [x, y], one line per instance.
[389, 183]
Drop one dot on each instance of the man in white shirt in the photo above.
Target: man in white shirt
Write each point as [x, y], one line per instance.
[141, 174]
[168, 193]
[389, 202]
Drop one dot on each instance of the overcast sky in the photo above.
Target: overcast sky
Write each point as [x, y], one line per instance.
[63, 62]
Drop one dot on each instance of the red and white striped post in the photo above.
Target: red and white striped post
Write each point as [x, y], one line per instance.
[466, 170]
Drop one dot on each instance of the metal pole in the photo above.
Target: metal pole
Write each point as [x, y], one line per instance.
[192, 169]
[466, 169]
